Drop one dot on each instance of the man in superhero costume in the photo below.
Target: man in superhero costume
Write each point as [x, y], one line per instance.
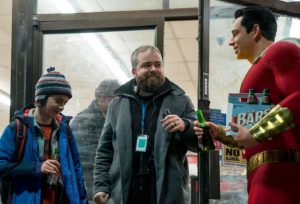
[272, 145]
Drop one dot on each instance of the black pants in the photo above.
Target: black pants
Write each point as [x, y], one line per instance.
[143, 189]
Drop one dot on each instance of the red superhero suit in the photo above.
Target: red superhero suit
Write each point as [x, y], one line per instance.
[279, 71]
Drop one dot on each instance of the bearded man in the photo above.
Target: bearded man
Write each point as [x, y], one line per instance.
[141, 155]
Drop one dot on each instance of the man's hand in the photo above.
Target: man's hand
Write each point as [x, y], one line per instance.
[50, 166]
[213, 128]
[198, 130]
[101, 198]
[243, 137]
[173, 123]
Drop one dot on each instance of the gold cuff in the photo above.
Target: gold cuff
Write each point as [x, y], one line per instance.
[227, 140]
[277, 120]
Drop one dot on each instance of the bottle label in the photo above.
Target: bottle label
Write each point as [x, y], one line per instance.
[52, 179]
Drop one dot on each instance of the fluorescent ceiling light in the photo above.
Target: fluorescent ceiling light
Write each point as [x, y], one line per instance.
[4, 98]
[295, 27]
[63, 6]
[103, 53]
[289, 1]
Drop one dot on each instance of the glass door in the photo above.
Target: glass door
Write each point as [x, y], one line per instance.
[89, 58]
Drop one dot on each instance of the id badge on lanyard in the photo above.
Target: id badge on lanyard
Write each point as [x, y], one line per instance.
[141, 143]
[142, 139]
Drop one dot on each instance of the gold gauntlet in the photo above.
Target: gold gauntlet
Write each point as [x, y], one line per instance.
[227, 140]
[277, 120]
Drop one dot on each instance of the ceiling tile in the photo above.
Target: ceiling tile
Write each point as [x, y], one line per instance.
[5, 55]
[6, 7]
[189, 49]
[185, 29]
[172, 52]
[5, 29]
[177, 71]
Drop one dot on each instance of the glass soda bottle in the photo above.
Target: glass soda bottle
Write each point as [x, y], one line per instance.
[266, 97]
[52, 178]
[251, 97]
[208, 143]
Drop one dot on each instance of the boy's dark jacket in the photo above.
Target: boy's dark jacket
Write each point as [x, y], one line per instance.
[25, 175]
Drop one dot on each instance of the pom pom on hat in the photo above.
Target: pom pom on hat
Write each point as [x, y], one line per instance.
[52, 83]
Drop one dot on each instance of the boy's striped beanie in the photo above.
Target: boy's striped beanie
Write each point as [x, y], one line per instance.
[52, 83]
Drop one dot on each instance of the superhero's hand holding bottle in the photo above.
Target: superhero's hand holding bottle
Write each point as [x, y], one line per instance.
[214, 129]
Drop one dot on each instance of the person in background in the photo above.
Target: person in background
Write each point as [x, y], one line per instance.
[49, 170]
[87, 127]
[272, 145]
[141, 155]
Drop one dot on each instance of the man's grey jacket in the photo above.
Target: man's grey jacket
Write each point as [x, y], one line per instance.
[113, 163]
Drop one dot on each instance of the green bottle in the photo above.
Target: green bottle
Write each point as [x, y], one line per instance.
[201, 119]
[52, 179]
[207, 140]
[266, 97]
[251, 97]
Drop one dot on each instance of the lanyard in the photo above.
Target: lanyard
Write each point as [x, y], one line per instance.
[144, 108]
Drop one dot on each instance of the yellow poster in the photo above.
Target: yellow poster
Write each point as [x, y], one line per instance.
[233, 156]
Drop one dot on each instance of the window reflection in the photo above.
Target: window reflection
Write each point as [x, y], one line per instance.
[95, 64]
[4, 108]
[87, 6]
[87, 126]
[181, 55]
[89, 58]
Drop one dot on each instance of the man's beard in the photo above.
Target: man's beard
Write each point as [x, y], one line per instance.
[150, 85]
